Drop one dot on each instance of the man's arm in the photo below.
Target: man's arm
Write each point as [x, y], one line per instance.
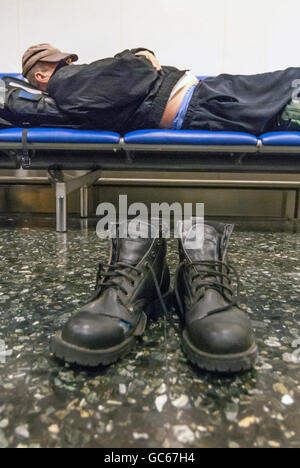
[149, 54]
[141, 49]
[151, 58]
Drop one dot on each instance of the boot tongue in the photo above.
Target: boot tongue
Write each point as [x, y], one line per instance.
[133, 248]
[132, 251]
[201, 247]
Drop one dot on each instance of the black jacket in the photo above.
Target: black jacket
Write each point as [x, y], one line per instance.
[120, 94]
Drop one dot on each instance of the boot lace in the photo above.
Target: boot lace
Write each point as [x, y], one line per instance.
[215, 270]
[109, 275]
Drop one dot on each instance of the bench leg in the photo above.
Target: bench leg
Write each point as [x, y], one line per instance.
[66, 184]
[61, 207]
[297, 210]
[84, 202]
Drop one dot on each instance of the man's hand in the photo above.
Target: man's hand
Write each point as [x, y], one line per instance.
[151, 59]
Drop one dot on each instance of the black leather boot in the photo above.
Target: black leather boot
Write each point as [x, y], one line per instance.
[217, 335]
[127, 294]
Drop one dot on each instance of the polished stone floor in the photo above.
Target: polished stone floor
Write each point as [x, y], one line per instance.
[154, 397]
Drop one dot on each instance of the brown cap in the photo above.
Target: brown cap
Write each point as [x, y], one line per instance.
[43, 53]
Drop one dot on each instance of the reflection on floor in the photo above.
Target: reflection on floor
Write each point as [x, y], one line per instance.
[154, 397]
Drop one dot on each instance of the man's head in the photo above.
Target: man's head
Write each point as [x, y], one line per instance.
[40, 61]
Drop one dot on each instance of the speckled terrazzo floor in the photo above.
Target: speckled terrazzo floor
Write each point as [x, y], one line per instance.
[154, 397]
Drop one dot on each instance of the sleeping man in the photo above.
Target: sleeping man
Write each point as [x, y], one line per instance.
[132, 91]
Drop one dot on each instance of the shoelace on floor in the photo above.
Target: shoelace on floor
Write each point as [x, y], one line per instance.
[211, 269]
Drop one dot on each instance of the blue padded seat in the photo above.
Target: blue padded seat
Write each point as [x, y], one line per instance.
[7, 137]
[11, 135]
[13, 75]
[190, 137]
[281, 139]
[60, 135]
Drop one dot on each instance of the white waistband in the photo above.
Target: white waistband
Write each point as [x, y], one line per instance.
[181, 83]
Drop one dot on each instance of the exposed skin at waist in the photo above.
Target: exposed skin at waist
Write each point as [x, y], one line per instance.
[174, 104]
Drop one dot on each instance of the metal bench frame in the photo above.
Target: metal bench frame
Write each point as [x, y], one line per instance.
[124, 157]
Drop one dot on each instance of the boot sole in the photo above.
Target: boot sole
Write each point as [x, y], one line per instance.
[103, 357]
[86, 357]
[229, 363]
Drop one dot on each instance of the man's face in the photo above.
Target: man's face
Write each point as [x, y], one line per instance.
[52, 67]
[43, 76]
[50, 70]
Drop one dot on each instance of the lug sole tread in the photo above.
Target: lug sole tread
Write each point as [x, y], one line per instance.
[220, 363]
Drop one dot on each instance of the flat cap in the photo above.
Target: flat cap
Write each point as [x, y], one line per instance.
[43, 53]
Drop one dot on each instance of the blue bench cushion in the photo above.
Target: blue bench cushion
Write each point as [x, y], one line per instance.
[13, 75]
[11, 135]
[190, 137]
[53, 135]
[281, 139]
